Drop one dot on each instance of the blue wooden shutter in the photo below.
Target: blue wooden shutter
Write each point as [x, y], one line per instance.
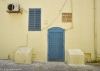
[31, 20]
[34, 20]
[37, 19]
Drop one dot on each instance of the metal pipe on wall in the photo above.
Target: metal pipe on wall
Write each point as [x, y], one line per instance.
[26, 45]
[72, 11]
[95, 31]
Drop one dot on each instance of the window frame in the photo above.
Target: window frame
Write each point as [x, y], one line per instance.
[35, 27]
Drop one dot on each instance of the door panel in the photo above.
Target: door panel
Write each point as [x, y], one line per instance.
[55, 44]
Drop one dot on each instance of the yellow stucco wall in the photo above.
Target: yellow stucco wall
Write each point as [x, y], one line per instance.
[78, 34]
[97, 17]
[82, 34]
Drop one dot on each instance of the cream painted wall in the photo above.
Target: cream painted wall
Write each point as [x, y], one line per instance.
[78, 34]
[14, 27]
[97, 17]
[82, 34]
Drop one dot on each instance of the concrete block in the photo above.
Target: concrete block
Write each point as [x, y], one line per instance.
[75, 57]
[23, 55]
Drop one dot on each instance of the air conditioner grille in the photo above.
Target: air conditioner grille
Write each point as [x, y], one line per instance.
[10, 7]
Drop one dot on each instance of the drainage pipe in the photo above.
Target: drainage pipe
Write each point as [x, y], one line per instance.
[95, 31]
[26, 42]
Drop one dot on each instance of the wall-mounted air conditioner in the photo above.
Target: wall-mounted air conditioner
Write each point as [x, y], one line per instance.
[13, 8]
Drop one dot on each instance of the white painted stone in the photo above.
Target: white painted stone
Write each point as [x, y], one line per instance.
[23, 55]
[75, 57]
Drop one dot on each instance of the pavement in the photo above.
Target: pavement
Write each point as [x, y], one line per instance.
[9, 65]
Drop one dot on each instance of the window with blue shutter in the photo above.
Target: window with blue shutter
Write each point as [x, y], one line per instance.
[34, 19]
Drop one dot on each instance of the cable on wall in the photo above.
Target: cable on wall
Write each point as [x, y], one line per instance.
[72, 15]
[4, 1]
[57, 16]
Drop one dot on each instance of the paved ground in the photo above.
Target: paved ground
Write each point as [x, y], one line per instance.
[9, 65]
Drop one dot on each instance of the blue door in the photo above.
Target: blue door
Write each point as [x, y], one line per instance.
[56, 44]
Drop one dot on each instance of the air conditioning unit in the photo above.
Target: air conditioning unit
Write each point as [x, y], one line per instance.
[13, 7]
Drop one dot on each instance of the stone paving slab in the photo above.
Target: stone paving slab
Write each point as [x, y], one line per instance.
[9, 65]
